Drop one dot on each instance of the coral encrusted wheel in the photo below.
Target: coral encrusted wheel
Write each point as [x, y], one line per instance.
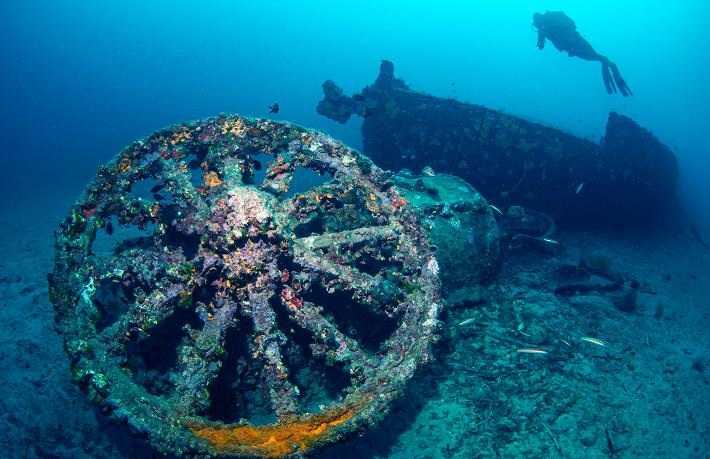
[243, 287]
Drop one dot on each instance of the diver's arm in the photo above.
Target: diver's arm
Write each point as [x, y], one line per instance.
[540, 39]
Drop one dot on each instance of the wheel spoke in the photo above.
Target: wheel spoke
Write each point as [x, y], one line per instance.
[266, 347]
[322, 264]
[309, 317]
[141, 318]
[278, 175]
[371, 234]
[336, 274]
[182, 180]
[201, 359]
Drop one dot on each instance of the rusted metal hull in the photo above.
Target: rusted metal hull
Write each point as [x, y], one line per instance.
[629, 179]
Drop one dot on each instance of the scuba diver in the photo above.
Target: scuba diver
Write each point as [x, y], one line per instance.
[561, 30]
[274, 108]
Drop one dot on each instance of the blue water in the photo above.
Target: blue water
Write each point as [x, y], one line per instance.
[82, 79]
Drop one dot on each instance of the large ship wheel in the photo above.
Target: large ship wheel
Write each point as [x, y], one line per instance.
[218, 309]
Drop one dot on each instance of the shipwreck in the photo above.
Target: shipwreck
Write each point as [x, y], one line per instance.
[629, 179]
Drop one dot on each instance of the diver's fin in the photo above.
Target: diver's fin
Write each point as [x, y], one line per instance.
[620, 83]
[608, 80]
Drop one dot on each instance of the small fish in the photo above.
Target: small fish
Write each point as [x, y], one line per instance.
[367, 113]
[428, 171]
[274, 108]
[531, 350]
[157, 188]
[596, 341]
[467, 321]
[550, 241]
[579, 188]
[109, 228]
[495, 208]
[194, 164]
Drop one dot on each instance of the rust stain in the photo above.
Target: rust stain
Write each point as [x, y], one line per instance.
[275, 440]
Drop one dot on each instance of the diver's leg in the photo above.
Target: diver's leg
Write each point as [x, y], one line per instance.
[582, 49]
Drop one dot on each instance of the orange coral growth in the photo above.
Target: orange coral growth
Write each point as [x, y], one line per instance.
[276, 440]
[124, 165]
[234, 127]
[180, 136]
[212, 179]
[278, 168]
[398, 203]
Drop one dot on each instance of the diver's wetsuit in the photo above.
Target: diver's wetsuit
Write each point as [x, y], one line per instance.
[560, 29]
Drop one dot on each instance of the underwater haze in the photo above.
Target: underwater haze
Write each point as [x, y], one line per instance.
[188, 249]
[82, 79]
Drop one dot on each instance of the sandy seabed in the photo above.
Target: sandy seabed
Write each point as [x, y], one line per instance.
[648, 387]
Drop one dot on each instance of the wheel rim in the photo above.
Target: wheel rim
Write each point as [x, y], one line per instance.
[219, 252]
